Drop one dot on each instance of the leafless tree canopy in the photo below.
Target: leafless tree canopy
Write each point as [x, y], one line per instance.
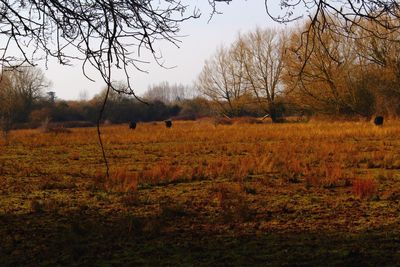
[248, 71]
[102, 34]
[342, 17]
[349, 12]
[321, 12]
[168, 93]
[20, 89]
[111, 33]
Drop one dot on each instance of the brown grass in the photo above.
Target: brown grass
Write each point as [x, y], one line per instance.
[196, 181]
[231, 201]
[365, 188]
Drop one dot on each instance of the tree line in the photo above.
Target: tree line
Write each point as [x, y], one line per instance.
[293, 73]
[263, 72]
[25, 103]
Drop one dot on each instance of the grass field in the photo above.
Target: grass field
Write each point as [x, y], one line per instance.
[197, 194]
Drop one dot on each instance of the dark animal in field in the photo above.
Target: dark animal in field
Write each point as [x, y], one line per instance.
[168, 123]
[378, 120]
[132, 125]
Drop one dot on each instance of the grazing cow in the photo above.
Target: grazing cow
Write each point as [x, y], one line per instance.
[168, 123]
[378, 120]
[132, 125]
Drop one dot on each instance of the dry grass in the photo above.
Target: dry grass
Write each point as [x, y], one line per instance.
[231, 201]
[241, 179]
[365, 188]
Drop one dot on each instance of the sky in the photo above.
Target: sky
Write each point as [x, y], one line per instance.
[200, 41]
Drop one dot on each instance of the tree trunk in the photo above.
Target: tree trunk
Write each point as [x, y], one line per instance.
[274, 114]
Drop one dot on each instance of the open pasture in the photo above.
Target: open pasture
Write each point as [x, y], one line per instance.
[203, 194]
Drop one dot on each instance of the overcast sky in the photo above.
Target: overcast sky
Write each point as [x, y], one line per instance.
[200, 42]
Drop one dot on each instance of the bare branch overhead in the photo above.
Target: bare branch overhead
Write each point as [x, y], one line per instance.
[99, 33]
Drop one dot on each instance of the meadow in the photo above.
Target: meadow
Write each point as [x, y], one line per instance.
[201, 194]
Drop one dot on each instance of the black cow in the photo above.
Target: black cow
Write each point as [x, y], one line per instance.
[378, 120]
[132, 125]
[168, 123]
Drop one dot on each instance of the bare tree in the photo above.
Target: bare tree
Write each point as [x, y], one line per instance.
[248, 72]
[382, 56]
[222, 80]
[263, 63]
[168, 93]
[28, 83]
[20, 88]
[337, 78]
[334, 15]
[341, 17]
